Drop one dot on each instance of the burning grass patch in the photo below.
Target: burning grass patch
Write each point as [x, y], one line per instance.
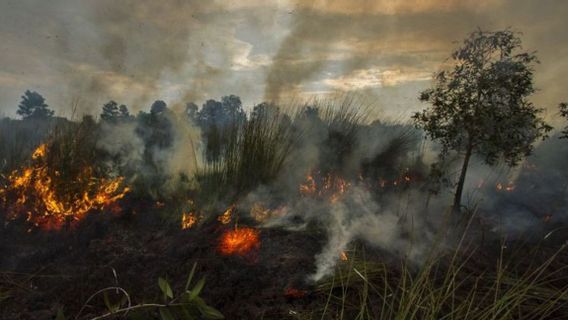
[59, 187]
[239, 241]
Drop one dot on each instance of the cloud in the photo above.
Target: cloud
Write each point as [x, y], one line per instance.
[138, 51]
[375, 77]
[243, 59]
[393, 7]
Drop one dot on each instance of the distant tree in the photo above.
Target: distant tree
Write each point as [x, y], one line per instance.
[233, 109]
[218, 119]
[33, 106]
[480, 106]
[564, 113]
[228, 111]
[123, 111]
[113, 112]
[158, 106]
[210, 114]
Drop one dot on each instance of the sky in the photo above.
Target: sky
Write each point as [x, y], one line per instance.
[80, 54]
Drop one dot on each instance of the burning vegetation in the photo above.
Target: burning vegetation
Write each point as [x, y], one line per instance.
[40, 195]
[328, 186]
[188, 220]
[311, 183]
[227, 216]
[239, 241]
[307, 221]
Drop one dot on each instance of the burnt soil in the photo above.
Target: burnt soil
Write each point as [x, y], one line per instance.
[44, 271]
[41, 272]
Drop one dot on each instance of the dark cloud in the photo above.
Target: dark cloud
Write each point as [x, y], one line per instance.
[138, 51]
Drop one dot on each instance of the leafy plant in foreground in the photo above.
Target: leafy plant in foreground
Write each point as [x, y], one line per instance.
[186, 305]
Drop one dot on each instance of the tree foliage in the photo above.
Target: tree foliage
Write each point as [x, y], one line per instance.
[113, 112]
[33, 106]
[564, 113]
[480, 105]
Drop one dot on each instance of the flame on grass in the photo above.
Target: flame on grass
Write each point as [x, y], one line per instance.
[329, 187]
[226, 217]
[188, 220]
[509, 187]
[36, 193]
[404, 180]
[239, 241]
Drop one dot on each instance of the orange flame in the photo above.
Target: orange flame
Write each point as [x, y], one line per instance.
[343, 256]
[36, 197]
[239, 241]
[509, 187]
[226, 217]
[309, 187]
[330, 187]
[188, 220]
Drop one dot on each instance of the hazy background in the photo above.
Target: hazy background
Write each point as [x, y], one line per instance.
[134, 52]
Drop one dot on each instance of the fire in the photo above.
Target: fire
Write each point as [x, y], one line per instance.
[259, 213]
[308, 187]
[509, 187]
[343, 256]
[188, 220]
[226, 217]
[239, 241]
[403, 180]
[40, 152]
[40, 198]
[329, 186]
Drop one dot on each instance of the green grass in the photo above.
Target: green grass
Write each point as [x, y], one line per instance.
[448, 286]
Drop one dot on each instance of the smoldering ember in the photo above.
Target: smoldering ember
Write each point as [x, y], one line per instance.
[335, 159]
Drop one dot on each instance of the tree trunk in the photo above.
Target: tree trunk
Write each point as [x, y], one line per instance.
[459, 189]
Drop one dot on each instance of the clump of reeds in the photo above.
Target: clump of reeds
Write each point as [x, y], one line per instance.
[255, 153]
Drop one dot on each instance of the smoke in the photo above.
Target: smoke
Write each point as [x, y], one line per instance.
[122, 142]
[401, 219]
[182, 158]
[530, 199]
[297, 58]
[147, 41]
[331, 40]
[163, 169]
[358, 217]
[335, 145]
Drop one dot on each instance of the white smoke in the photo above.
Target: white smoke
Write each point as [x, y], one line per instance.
[176, 163]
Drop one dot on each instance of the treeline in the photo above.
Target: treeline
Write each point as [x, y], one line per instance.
[239, 151]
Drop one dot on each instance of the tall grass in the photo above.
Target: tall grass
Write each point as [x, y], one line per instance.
[449, 286]
[255, 154]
